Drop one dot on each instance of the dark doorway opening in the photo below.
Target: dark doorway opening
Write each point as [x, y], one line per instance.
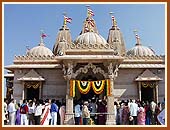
[32, 93]
[147, 94]
[91, 94]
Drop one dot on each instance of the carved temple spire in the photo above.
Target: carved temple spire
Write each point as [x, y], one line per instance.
[89, 25]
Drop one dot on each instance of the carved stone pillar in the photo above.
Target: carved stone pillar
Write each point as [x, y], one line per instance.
[156, 87]
[40, 90]
[139, 90]
[111, 118]
[112, 74]
[69, 115]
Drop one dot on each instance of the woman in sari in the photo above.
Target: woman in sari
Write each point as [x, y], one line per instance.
[18, 115]
[125, 114]
[141, 115]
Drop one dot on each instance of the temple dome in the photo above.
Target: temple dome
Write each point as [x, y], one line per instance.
[140, 50]
[90, 38]
[40, 50]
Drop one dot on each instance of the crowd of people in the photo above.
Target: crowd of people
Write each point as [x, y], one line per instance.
[129, 112]
[34, 112]
[90, 112]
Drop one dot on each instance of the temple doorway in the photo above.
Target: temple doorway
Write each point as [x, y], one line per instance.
[32, 93]
[147, 91]
[32, 90]
[91, 94]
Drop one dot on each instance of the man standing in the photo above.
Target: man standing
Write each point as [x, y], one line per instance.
[46, 116]
[12, 112]
[153, 107]
[85, 113]
[133, 112]
[54, 110]
[24, 113]
[77, 111]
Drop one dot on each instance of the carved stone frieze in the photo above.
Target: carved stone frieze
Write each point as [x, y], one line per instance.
[90, 46]
[86, 68]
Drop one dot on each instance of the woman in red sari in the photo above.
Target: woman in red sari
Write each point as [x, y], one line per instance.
[125, 114]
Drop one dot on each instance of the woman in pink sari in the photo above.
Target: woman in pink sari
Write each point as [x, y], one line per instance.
[141, 115]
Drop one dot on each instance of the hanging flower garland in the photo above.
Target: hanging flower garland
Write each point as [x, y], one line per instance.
[98, 86]
[72, 88]
[35, 85]
[148, 84]
[83, 86]
[108, 87]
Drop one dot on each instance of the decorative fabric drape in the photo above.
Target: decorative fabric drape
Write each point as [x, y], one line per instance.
[85, 86]
[35, 85]
[148, 84]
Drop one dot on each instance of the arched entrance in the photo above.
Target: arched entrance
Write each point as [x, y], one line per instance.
[32, 93]
[147, 94]
[32, 90]
[148, 91]
[91, 94]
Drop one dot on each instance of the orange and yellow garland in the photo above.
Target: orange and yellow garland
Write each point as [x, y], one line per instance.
[85, 86]
[101, 87]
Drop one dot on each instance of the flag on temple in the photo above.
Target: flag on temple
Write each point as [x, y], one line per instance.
[86, 29]
[90, 12]
[43, 35]
[137, 36]
[67, 19]
[113, 17]
[91, 22]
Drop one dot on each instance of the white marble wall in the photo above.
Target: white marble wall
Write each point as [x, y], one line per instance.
[126, 86]
[54, 85]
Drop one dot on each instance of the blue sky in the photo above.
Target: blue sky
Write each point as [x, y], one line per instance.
[23, 22]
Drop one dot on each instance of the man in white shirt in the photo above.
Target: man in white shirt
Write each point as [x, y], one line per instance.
[153, 107]
[38, 112]
[85, 113]
[12, 112]
[133, 112]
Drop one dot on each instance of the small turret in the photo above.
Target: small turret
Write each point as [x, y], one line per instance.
[64, 33]
[116, 37]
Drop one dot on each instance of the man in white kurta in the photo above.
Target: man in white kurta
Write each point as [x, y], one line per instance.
[133, 112]
[12, 112]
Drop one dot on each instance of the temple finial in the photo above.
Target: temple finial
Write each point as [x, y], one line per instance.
[66, 19]
[137, 37]
[64, 22]
[90, 12]
[42, 36]
[114, 23]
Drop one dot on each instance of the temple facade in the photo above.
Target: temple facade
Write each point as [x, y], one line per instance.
[112, 71]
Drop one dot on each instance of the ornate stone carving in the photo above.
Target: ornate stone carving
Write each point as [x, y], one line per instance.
[112, 71]
[95, 46]
[68, 72]
[70, 69]
[64, 69]
[61, 48]
[87, 67]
